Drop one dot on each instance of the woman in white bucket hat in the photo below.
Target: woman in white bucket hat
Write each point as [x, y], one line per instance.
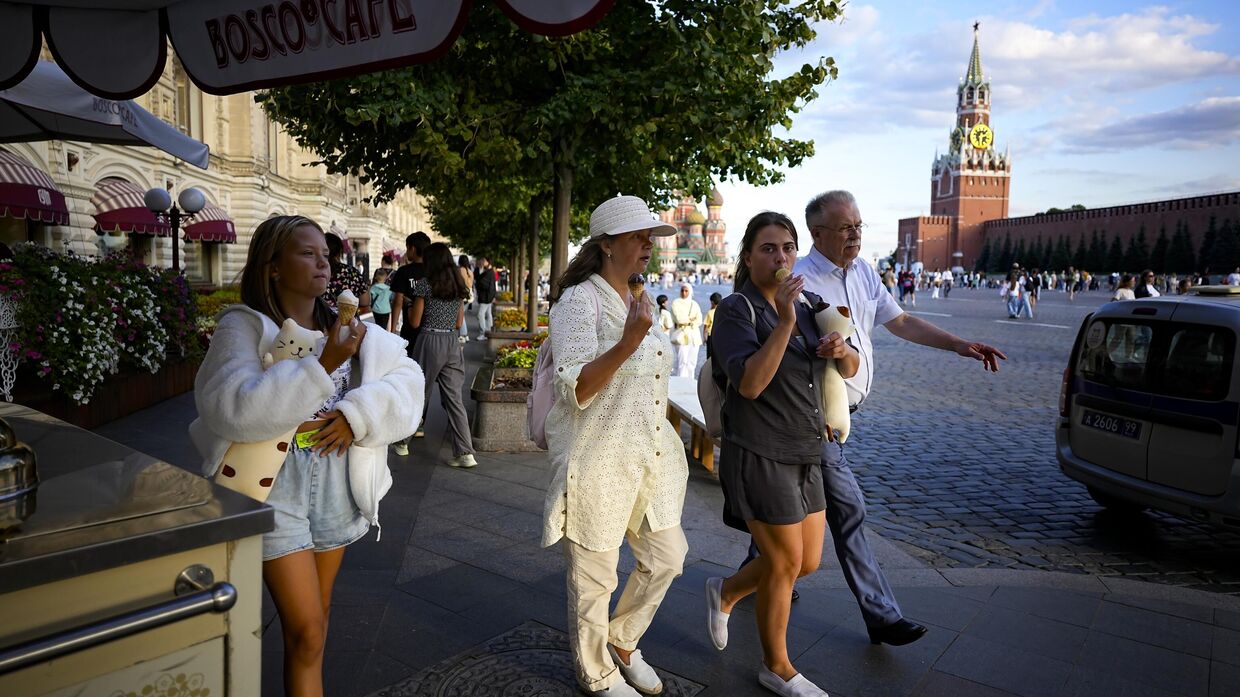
[620, 470]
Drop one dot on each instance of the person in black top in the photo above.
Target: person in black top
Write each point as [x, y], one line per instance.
[401, 283]
[766, 342]
[484, 289]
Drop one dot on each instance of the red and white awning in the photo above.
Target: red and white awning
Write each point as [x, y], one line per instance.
[344, 236]
[27, 193]
[211, 224]
[119, 207]
[230, 46]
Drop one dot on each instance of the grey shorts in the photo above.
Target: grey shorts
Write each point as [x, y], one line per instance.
[314, 507]
[761, 489]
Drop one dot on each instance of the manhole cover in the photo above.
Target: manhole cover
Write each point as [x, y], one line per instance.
[532, 660]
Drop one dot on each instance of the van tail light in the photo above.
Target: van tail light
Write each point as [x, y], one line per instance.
[1065, 392]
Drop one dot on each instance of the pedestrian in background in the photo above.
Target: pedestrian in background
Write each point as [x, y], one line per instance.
[381, 297]
[709, 322]
[467, 275]
[620, 472]
[1124, 291]
[1145, 287]
[484, 293]
[344, 276]
[687, 331]
[438, 313]
[666, 323]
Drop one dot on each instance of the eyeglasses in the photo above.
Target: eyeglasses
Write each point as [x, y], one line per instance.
[843, 228]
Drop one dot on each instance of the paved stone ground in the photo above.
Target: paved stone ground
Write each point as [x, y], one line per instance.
[960, 465]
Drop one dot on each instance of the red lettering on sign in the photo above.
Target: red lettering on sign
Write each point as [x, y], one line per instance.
[234, 28]
[269, 16]
[353, 20]
[286, 9]
[327, 21]
[400, 23]
[251, 18]
[217, 43]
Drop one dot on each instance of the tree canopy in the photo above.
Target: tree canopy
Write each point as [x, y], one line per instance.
[656, 98]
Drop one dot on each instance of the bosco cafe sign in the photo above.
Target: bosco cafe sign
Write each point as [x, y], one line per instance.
[229, 46]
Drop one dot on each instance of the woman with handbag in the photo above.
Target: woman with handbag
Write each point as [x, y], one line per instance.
[766, 342]
[620, 470]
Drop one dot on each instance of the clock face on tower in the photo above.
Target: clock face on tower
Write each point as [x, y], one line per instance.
[981, 137]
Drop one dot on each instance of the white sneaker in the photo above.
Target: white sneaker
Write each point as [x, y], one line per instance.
[620, 689]
[638, 672]
[481, 338]
[467, 460]
[798, 686]
[462, 339]
[716, 620]
[401, 448]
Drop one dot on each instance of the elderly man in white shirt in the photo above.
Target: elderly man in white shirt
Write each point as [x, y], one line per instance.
[834, 270]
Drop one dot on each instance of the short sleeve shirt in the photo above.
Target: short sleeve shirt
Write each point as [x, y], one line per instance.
[401, 281]
[860, 289]
[437, 313]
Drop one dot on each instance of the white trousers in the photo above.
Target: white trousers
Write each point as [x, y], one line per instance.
[484, 318]
[591, 581]
[686, 360]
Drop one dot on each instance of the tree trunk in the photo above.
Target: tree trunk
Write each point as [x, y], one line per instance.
[561, 216]
[531, 308]
[518, 263]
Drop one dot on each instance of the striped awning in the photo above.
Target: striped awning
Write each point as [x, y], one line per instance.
[119, 207]
[211, 224]
[344, 236]
[27, 193]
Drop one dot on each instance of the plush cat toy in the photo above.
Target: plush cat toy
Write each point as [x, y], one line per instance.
[834, 318]
[251, 468]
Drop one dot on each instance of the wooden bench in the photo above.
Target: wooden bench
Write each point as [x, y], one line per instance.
[682, 403]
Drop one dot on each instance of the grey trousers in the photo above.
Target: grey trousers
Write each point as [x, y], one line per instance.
[846, 519]
[439, 355]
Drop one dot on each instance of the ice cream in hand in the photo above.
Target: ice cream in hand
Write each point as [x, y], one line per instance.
[346, 304]
[637, 285]
[781, 274]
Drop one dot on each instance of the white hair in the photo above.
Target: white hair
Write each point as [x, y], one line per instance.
[818, 205]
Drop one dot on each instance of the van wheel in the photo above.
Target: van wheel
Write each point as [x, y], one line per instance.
[1114, 503]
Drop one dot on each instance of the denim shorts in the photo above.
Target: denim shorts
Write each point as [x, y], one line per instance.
[314, 507]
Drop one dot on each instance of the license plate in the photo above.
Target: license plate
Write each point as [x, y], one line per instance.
[1119, 426]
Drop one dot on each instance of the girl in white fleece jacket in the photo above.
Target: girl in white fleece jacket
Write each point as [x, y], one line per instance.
[347, 404]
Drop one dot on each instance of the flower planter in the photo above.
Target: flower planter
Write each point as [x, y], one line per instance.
[499, 418]
[504, 337]
[117, 396]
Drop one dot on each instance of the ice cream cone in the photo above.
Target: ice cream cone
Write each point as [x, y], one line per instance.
[781, 274]
[346, 304]
[637, 285]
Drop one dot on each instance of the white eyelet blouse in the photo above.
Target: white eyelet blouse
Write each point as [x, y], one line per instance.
[616, 458]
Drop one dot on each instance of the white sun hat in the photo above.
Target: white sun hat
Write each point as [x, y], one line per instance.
[622, 214]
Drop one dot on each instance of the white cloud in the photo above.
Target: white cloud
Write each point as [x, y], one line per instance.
[1209, 123]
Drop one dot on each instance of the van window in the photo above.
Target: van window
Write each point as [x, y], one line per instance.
[1117, 354]
[1199, 361]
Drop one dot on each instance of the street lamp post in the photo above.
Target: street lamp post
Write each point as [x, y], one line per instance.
[159, 202]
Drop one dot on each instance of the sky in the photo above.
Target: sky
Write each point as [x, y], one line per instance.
[1099, 103]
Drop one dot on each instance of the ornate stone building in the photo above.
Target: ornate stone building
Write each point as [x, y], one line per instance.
[256, 171]
[699, 242]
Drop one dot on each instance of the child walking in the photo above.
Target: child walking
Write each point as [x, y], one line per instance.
[381, 297]
[438, 312]
[347, 401]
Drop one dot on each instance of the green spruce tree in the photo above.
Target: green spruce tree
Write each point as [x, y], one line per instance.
[1062, 257]
[1158, 257]
[1115, 256]
[1180, 251]
[1226, 249]
[1205, 254]
[1005, 255]
[1137, 256]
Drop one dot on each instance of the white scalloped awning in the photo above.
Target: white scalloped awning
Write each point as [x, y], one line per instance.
[230, 46]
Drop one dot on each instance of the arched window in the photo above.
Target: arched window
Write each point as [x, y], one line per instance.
[969, 96]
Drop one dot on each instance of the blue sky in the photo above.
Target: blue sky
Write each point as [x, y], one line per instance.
[1100, 103]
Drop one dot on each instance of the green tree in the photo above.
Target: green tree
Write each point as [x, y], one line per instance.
[1137, 256]
[1020, 255]
[1115, 256]
[1158, 257]
[983, 259]
[1226, 249]
[1080, 254]
[1180, 252]
[1097, 255]
[1061, 259]
[656, 98]
[1205, 255]
[1005, 255]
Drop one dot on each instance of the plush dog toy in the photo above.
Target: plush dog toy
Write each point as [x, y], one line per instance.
[251, 468]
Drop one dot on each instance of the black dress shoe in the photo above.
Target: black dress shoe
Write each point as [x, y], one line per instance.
[898, 634]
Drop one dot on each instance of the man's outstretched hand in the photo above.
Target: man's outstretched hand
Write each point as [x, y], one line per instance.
[988, 355]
